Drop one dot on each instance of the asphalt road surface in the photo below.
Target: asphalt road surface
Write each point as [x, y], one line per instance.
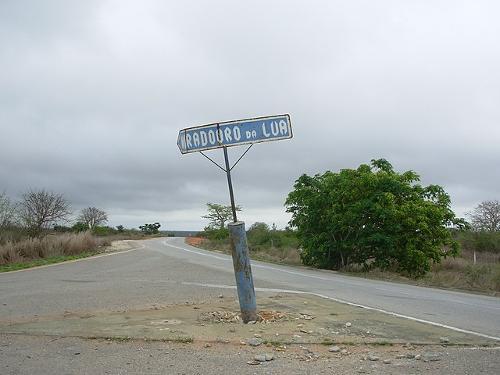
[166, 270]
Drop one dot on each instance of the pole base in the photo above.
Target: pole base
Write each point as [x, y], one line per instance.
[243, 271]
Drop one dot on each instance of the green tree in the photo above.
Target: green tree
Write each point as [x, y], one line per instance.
[218, 215]
[150, 228]
[374, 217]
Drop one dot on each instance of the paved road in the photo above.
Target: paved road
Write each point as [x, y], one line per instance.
[167, 271]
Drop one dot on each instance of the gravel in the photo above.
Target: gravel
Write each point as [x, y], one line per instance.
[50, 355]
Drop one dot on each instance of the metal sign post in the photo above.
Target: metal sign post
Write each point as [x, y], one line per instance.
[223, 135]
[230, 184]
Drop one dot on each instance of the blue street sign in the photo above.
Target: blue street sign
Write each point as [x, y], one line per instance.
[234, 133]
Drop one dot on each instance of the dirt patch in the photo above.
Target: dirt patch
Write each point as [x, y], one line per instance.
[286, 319]
[195, 241]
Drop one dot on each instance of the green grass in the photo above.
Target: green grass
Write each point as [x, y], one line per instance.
[44, 261]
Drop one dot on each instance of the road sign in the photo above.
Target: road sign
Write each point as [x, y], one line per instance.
[234, 133]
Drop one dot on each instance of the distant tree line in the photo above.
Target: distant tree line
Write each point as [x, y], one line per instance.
[39, 212]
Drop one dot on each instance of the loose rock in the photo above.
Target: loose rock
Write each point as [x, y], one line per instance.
[373, 358]
[269, 356]
[260, 358]
[387, 361]
[334, 349]
[348, 324]
[444, 340]
[254, 341]
[431, 357]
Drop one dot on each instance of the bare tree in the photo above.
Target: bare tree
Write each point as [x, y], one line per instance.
[92, 216]
[39, 209]
[486, 216]
[7, 210]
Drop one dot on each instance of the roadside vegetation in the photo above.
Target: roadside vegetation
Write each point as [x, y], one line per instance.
[265, 243]
[377, 223]
[38, 230]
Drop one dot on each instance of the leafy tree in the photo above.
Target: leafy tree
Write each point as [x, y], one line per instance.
[150, 228]
[486, 216]
[374, 217]
[219, 215]
[40, 209]
[92, 217]
[120, 228]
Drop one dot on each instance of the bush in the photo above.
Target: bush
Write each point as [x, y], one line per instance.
[261, 237]
[103, 231]
[80, 227]
[215, 234]
[374, 217]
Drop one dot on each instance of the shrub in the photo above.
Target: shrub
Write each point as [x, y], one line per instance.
[372, 216]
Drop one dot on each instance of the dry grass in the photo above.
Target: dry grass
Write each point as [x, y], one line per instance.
[67, 244]
[452, 273]
[278, 255]
[283, 255]
[462, 273]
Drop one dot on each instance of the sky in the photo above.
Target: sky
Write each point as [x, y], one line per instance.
[94, 93]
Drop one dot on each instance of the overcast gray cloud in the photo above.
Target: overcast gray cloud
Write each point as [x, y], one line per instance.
[93, 94]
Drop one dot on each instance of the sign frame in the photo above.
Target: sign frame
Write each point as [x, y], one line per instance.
[279, 124]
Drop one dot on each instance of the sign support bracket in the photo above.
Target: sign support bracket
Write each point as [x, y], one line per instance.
[241, 157]
[201, 152]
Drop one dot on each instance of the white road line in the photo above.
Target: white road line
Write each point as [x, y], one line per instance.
[392, 313]
[141, 246]
[273, 290]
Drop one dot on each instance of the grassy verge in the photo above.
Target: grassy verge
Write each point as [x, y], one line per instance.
[452, 273]
[42, 262]
[282, 255]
